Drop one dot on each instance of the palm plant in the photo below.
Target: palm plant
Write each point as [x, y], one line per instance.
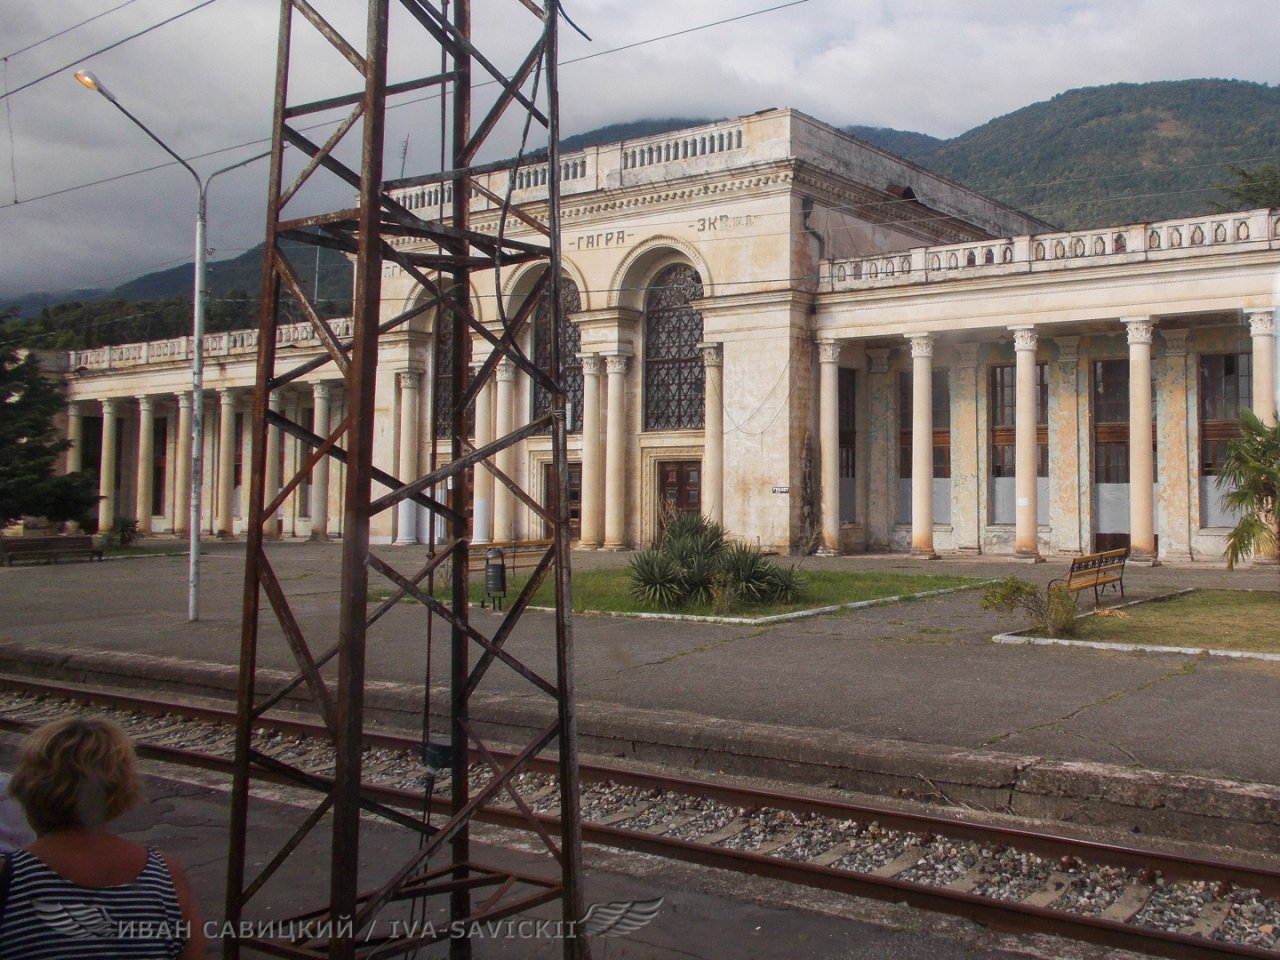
[1251, 471]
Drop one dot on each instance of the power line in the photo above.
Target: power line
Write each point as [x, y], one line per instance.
[110, 46]
[74, 26]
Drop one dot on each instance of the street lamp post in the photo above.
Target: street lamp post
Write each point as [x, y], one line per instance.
[197, 336]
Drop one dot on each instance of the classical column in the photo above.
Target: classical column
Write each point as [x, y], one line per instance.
[1262, 328]
[1142, 545]
[320, 472]
[922, 447]
[75, 436]
[713, 433]
[290, 506]
[829, 441]
[592, 453]
[615, 455]
[182, 468]
[226, 461]
[272, 524]
[504, 514]
[1068, 492]
[146, 462]
[966, 477]
[407, 462]
[1025, 458]
[107, 469]
[882, 448]
[75, 459]
[1181, 481]
[482, 495]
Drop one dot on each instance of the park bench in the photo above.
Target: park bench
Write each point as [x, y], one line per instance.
[49, 549]
[1096, 570]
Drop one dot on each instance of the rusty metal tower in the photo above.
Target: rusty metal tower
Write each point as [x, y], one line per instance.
[439, 249]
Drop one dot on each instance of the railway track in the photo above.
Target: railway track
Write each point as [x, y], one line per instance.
[1136, 899]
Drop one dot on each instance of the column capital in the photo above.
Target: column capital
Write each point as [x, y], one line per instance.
[408, 379]
[921, 344]
[878, 357]
[145, 401]
[321, 390]
[1262, 323]
[829, 351]
[712, 353]
[1175, 342]
[1139, 329]
[183, 398]
[1024, 337]
[73, 408]
[616, 362]
[592, 364]
[1068, 349]
[108, 405]
[506, 371]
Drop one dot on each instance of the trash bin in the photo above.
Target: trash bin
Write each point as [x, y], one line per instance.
[495, 574]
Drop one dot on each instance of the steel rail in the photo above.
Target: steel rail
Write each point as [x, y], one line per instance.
[999, 913]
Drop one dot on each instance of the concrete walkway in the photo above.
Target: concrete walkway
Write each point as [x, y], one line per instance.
[905, 680]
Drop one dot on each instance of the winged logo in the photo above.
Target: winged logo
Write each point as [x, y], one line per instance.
[619, 917]
[76, 921]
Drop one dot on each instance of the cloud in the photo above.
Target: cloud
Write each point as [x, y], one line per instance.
[206, 82]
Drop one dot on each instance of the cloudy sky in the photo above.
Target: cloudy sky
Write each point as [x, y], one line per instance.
[86, 200]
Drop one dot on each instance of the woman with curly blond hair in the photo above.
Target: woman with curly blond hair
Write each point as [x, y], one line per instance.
[78, 890]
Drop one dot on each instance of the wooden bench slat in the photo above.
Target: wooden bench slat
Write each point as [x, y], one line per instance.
[50, 549]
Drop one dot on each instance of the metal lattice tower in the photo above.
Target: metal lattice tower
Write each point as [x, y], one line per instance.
[329, 674]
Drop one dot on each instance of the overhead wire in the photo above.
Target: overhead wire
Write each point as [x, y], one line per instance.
[110, 46]
[64, 32]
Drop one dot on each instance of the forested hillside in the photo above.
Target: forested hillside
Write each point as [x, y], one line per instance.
[1116, 154]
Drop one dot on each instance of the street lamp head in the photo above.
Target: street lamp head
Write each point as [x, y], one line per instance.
[93, 83]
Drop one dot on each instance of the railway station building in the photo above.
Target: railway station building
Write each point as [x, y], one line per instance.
[800, 335]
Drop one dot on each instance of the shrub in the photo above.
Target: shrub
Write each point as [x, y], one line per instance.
[124, 533]
[695, 564]
[655, 580]
[1053, 609]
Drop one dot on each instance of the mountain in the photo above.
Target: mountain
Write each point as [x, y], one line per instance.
[1116, 154]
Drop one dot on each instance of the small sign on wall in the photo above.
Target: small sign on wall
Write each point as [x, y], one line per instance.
[781, 489]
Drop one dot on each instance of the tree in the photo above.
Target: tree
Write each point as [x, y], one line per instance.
[1253, 189]
[1251, 469]
[30, 444]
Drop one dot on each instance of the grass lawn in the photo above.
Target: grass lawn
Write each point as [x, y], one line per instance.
[608, 591]
[1215, 619]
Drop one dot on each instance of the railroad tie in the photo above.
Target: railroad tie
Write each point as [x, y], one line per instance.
[626, 813]
[1054, 887]
[731, 829]
[781, 840]
[666, 826]
[1132, 900]
[904, 861]
[970, 878]
[837, 852]
[1209, 919]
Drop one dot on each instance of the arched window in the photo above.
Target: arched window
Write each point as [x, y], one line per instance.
[570, 302]
[674, 378]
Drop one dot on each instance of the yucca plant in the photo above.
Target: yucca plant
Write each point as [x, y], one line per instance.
[656, 580]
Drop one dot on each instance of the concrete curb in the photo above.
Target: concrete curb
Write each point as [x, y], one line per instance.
[1143, 801]
[777, 617]
[1022, 637]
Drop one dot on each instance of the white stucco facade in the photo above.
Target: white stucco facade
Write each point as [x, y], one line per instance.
[813, 341]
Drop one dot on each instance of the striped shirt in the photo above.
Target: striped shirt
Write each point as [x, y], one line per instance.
[46, 917]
